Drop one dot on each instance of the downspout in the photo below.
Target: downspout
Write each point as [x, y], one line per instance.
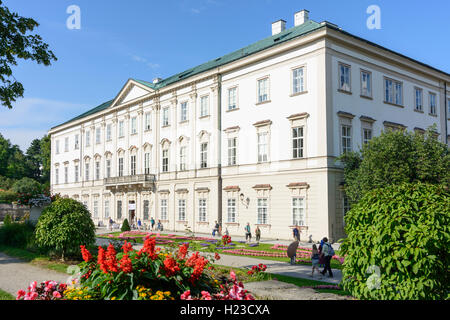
[219, 147]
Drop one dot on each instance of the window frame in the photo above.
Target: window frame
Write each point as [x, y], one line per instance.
[394, 92]
[303, 78]
[267, 88]
[370, 80]
[302, 207]
[235, 106]
[262, 211]
[341, 87]
[302, 139]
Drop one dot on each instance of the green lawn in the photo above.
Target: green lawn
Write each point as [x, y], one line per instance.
[6, 296]
[37, 259]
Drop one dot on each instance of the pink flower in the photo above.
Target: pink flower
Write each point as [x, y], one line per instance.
[233, 275]
[186, 295]
[56, 294]
[20, 294]
[206, 295]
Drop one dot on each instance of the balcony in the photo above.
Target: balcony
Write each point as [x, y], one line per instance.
[130, 183]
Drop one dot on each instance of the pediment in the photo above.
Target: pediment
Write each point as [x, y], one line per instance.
[131, 91]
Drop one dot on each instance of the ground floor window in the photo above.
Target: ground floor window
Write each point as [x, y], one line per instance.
[182, 210]
[106, 209]
[146, 209]
[164, 209]
[119, 209]
[202, 210]
[95, 208]
[262, 211]
[298, 211]
[231, 210]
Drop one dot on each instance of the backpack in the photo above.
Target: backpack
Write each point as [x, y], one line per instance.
[331, 252]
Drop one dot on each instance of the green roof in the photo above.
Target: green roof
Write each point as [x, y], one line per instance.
[281, 37]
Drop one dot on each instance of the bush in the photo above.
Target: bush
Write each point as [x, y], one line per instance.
[8, 196]
[125, 226]
[397, 245]
[7, 220]
[27, 185]
[19, 235]
[65, 225]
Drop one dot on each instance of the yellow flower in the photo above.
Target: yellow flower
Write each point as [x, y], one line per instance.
[113, 298]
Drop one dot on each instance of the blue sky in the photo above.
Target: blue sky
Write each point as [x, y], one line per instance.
[141, 39]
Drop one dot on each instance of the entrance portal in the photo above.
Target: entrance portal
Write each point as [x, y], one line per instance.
[131, 212]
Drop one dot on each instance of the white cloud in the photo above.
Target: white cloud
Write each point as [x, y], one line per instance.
[22, 137]
[149, 64]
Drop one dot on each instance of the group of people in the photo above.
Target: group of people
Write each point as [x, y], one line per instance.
[248, 233]
[137, 224]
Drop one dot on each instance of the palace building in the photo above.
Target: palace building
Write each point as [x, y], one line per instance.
[252, 136]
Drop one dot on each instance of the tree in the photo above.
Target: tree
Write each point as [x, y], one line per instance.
[16, 42]
[395, 158]
[125, 226]
[45, 159]
[397, 244]
[27, 185]
[64, 226]
[34, 160]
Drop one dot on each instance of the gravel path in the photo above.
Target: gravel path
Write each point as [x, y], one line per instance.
[16, 274]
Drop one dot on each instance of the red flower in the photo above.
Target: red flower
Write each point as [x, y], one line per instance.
[216, 256]
[127, 247]
[101, 260]
[183, 250]
[111, 260]
[125, 264]
[171, 266]
[149, 248]
[86, 254]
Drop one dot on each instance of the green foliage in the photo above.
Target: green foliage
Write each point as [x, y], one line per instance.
[6, 183]
[396, 157]
[8, 196]
[404, 231]
[65, 225]
[7, 220]
[27, 186]
[125, 226]
[16, 42]
[19, 235]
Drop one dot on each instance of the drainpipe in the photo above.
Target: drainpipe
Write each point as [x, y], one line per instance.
[219, 146]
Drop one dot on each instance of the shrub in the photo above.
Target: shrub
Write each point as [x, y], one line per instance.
[8, 196]
[19, 235]
[27, 185]
[7, 220]
[125, 226]
[397, 245]
[64, 226]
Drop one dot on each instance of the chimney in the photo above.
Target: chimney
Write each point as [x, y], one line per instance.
[156, 80]
[301, 17]
[278, 26]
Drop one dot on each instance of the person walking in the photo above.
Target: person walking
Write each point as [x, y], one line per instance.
[248, 233]
[111, 224]
[257, 234]
[328, 253]
[321, 257]
[314, 259]
[216, 228]
[152, 223]
[139, 224]
[296, 234]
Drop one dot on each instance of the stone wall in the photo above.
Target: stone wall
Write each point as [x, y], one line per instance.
[15, 211]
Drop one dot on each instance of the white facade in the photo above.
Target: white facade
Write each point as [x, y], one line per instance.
[254, 140]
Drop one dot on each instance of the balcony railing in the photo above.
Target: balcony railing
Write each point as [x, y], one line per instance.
[135, 179]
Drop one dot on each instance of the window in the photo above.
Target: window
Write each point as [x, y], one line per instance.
[57, 146]
[262, 147]
[204, 155]
[97, 135]
[182, 158]
[97, 170]
[86, 171]
[66, 174]
[182, 210]
[148, 121]
[121, 133]
[57, 176]
[119, 209]
[298, 211]
[418, 95]
[232, 150]
[146, 209]
[202, 210]
[433, 103]
[163, 209]
[367, 135]
[165, 121]
[346, 138]
[120, 167]
[133, 165]
[77, 142]
[147, 163]
[133, 125]
[231, 210]
[263, 90]
[232, 98]
[165, 160]
[366, 83]
[183, 111]
[262, 211]
[95, 208]
[344, 77]
[88, 138]
[66, 144]
[76, 173]
[108, 168]
[106, 209]
[204, 106]
[297, 142]
[393, 91]
[108, 132]
[298, 83]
